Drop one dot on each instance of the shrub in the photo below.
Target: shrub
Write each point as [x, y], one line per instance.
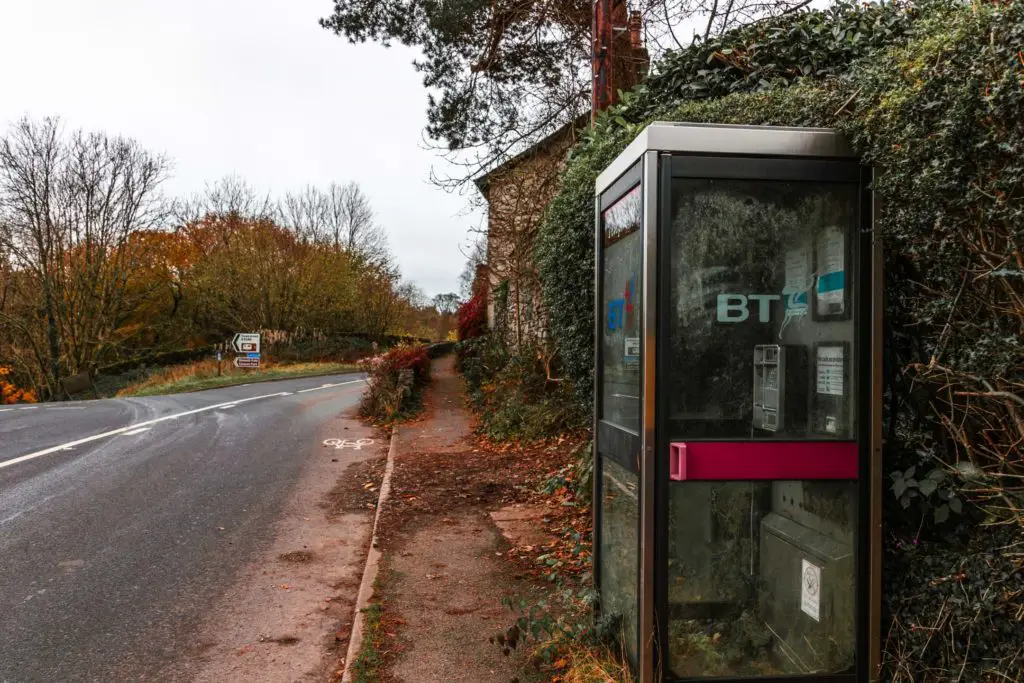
[510, 391]
[9, 393]
[395, 381]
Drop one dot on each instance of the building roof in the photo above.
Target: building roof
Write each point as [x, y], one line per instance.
[482, 181]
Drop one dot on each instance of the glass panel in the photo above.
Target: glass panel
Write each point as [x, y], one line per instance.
[761, 332]
[621, 312]
[619, 552]
[761, 578]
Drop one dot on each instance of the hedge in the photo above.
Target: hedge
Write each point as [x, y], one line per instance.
[932, 92]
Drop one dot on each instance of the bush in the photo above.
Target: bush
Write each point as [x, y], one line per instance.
[9, 393]
[473, 317]
[394, 383]
[512, 394]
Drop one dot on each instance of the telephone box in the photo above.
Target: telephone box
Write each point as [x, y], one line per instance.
[737, 405]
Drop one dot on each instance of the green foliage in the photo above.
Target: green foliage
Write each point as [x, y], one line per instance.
[777, 52]
[550, 626]
[511, 393]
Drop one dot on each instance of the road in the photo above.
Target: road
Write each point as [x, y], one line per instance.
[122, 519]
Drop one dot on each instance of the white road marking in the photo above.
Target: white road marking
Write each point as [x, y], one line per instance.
[122, 430]
[6, 410]
[136, 431]
[357, 444]
[30, 408]
[328, 386]
[229, 405]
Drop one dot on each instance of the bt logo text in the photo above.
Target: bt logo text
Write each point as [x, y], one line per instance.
[735, 308]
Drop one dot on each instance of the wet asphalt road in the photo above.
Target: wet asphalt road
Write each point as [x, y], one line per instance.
[112, 549]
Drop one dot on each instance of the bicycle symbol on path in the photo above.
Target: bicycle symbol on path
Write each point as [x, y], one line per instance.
[338, 444]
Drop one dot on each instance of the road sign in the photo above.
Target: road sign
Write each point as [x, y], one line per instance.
[246, 342]
[245, 362]
[252, 355]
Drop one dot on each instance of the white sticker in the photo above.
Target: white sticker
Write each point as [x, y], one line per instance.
[798, 283]
[797, 270]
[632, 347]
[830, 369]
[810, 590]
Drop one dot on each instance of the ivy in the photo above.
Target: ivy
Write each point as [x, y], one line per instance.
[933, 92]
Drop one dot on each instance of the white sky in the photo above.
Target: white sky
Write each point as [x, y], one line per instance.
[252, 87]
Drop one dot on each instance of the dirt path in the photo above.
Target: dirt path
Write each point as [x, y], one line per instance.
[444, 571]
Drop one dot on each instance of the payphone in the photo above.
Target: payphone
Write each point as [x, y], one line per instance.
[751, 462]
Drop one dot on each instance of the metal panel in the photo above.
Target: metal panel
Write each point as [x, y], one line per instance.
[618, 444]
[597, 472]
[696, 138]
[648, 451]
[620, 187]
[874, 532]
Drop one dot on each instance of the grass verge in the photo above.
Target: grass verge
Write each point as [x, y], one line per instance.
[370, 661]
[203, 375]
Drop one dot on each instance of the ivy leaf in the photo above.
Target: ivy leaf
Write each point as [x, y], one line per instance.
[899, 487]
[941, 514]
[956, 504]
[928, 486]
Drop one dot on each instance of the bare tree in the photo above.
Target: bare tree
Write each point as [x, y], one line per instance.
[476, 255]
[340, 217]
[674, 24]
[232, 195]
[70, 208]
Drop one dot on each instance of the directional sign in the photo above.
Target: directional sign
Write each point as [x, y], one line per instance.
[252, 355]
[243, 362]
[246, 342]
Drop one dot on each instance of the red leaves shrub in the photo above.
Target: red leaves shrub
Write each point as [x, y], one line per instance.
[473, 317]
[395, 380]
[400, 358]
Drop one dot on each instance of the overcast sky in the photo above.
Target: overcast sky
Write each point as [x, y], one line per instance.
[254, 88]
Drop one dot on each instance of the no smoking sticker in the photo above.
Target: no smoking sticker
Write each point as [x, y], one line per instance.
[810, 590]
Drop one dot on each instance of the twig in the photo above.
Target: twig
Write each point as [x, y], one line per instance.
[847, 102]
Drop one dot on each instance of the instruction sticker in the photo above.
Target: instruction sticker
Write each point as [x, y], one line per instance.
[810, 590]
[632, 350]
[830, 365]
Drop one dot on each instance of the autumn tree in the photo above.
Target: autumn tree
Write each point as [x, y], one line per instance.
[69, 206]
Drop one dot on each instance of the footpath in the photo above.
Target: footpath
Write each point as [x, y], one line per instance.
[444, 562]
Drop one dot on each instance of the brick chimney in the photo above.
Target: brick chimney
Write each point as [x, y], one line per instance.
[620, 59]
[629, 56]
